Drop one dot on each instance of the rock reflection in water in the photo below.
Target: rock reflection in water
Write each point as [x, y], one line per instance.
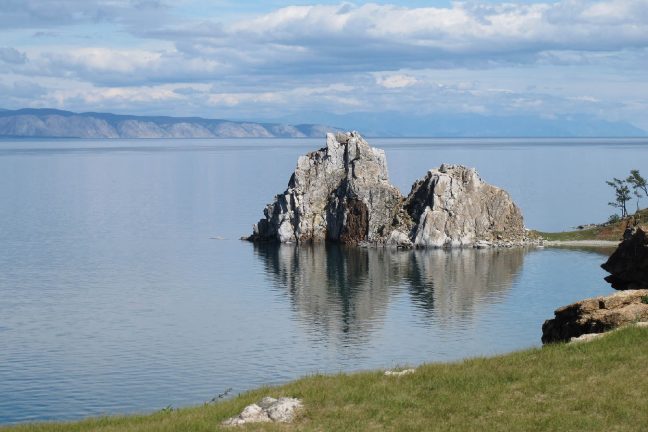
[450, 284]
[346, 290]
[340, 289]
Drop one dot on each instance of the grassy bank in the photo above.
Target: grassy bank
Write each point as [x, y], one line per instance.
[611, 231]
[597, 386]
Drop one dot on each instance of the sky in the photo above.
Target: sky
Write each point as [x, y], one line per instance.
[275, 59]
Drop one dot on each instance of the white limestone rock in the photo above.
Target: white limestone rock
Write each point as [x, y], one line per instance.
[453, 207]
[250, 414]
[283, 409]
[399, 373]
[587, 337]
[269, 409]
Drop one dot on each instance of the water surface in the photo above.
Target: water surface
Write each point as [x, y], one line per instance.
[123, 287]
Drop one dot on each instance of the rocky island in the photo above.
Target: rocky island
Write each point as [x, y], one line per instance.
[342, 193]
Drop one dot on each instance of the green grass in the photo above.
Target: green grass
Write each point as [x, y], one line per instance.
[586, 234]
[613, 231]
[596, 386]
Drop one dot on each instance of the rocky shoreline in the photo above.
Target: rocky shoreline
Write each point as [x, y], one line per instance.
[582, 320]
[586, 243]
[596, 315]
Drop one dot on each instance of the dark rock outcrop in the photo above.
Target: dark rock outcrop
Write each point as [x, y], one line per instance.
[596, 315]
[342, 193]
[628, 264]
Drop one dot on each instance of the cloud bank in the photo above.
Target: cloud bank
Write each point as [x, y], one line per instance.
[545, 58]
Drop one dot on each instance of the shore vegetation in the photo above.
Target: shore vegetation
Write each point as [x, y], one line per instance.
[612, 230]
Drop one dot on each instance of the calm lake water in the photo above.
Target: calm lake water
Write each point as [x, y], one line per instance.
[123, 287]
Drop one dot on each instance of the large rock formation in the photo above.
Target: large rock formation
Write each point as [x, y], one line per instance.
[342, 193]
[628, 264]
[596, 315]
[452, 206]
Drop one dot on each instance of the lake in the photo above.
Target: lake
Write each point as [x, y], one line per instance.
[124, 287]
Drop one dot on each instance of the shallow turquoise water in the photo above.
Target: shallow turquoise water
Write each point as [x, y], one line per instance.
[123, 287]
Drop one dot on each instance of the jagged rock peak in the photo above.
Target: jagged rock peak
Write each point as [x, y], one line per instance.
[342, 193]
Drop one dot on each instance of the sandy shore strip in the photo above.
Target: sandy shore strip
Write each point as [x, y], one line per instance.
[589, 243]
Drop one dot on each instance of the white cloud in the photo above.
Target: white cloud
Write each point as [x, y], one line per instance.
[464, 28]
[584, 99]
[118, 95]
[227, 99]
[615, 12]
[337, 92]
[120, 67]
[306, 41]
[396, 81]
[106, 60]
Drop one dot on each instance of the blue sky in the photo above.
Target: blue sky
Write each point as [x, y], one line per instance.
[274, 59]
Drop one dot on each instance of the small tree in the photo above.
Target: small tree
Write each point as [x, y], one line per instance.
[622, 195]
[638, 184]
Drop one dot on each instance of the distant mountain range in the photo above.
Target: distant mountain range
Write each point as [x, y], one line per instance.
[57, 123]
